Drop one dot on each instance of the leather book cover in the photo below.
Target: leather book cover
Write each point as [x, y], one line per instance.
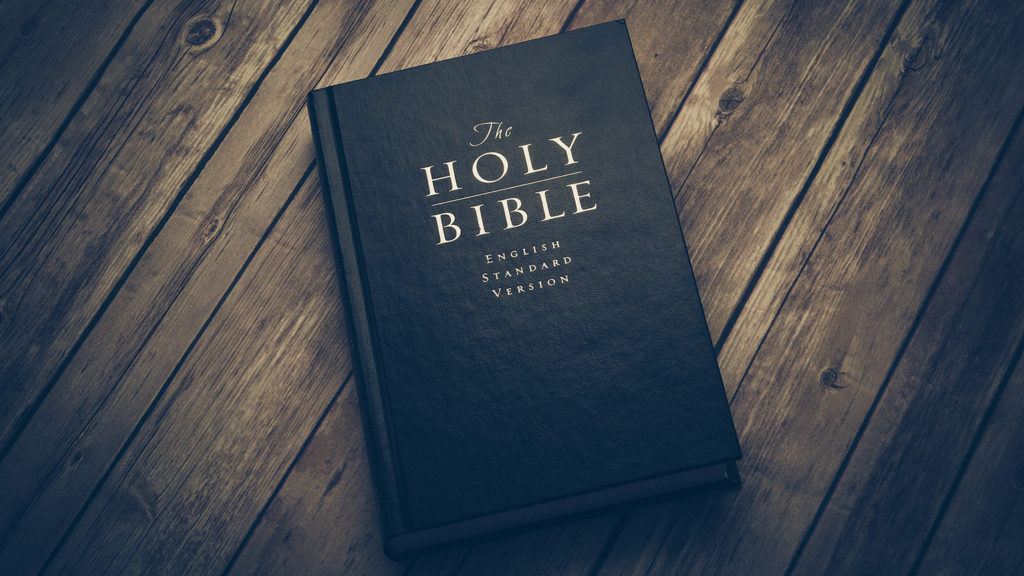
[529, 338]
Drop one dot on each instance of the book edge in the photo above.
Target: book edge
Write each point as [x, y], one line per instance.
[709, 342]
[620, 21]
[326, 137]
[716, 476]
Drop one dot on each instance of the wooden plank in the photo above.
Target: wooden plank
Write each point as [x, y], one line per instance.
[907, 459]
[69, 237]
[446, 29]
[983, 527]
[854, 303]
[750, 133]
[324, 518]
[179, 281]
[672, 41]
[912, 47]
[905, 53]
[197, 295]
[225, 430]
[440, 562]
[562, 550]
[50, 52]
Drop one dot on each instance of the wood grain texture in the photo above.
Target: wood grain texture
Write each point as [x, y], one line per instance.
[907, 458]
[749, 135]
[119, 167]
[50, 53]
[78, 431]
[912, 48]
[226, 429]
[174, 367]
[324, 519]
[635, 547]
[901, 56]
[983, 527]
[446, 29]
[566, 549]
[855, 301]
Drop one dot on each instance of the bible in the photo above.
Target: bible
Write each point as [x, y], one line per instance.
[528, 335]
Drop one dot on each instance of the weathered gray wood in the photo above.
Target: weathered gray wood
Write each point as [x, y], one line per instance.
[671, 42]
[446, 29]
[635, 548]
[907, 51]
[200, 283]
[71, 234]
[267, 477]
[324, 518]
[177, 284]
[227, 427]
[854, 303]
[983, 527]
[912, 48]
[49, 54]
[320, 516]
[751, 131]
[907, 458]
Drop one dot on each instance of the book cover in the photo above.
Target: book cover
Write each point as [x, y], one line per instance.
[529, 338]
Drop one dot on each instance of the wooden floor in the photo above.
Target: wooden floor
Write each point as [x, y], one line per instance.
[177, 394]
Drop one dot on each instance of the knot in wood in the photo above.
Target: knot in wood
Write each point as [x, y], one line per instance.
[918, 57]
[479, 45]
[830, 379]
[212, 230]
[731, 99]
[75, 460]
[28, 27]
[201, 32]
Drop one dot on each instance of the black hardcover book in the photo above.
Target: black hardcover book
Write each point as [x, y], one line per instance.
[529, 337]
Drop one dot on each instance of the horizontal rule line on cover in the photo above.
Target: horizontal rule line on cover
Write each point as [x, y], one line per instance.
[507, 188]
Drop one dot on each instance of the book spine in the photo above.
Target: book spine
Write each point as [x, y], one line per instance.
[330, 157]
